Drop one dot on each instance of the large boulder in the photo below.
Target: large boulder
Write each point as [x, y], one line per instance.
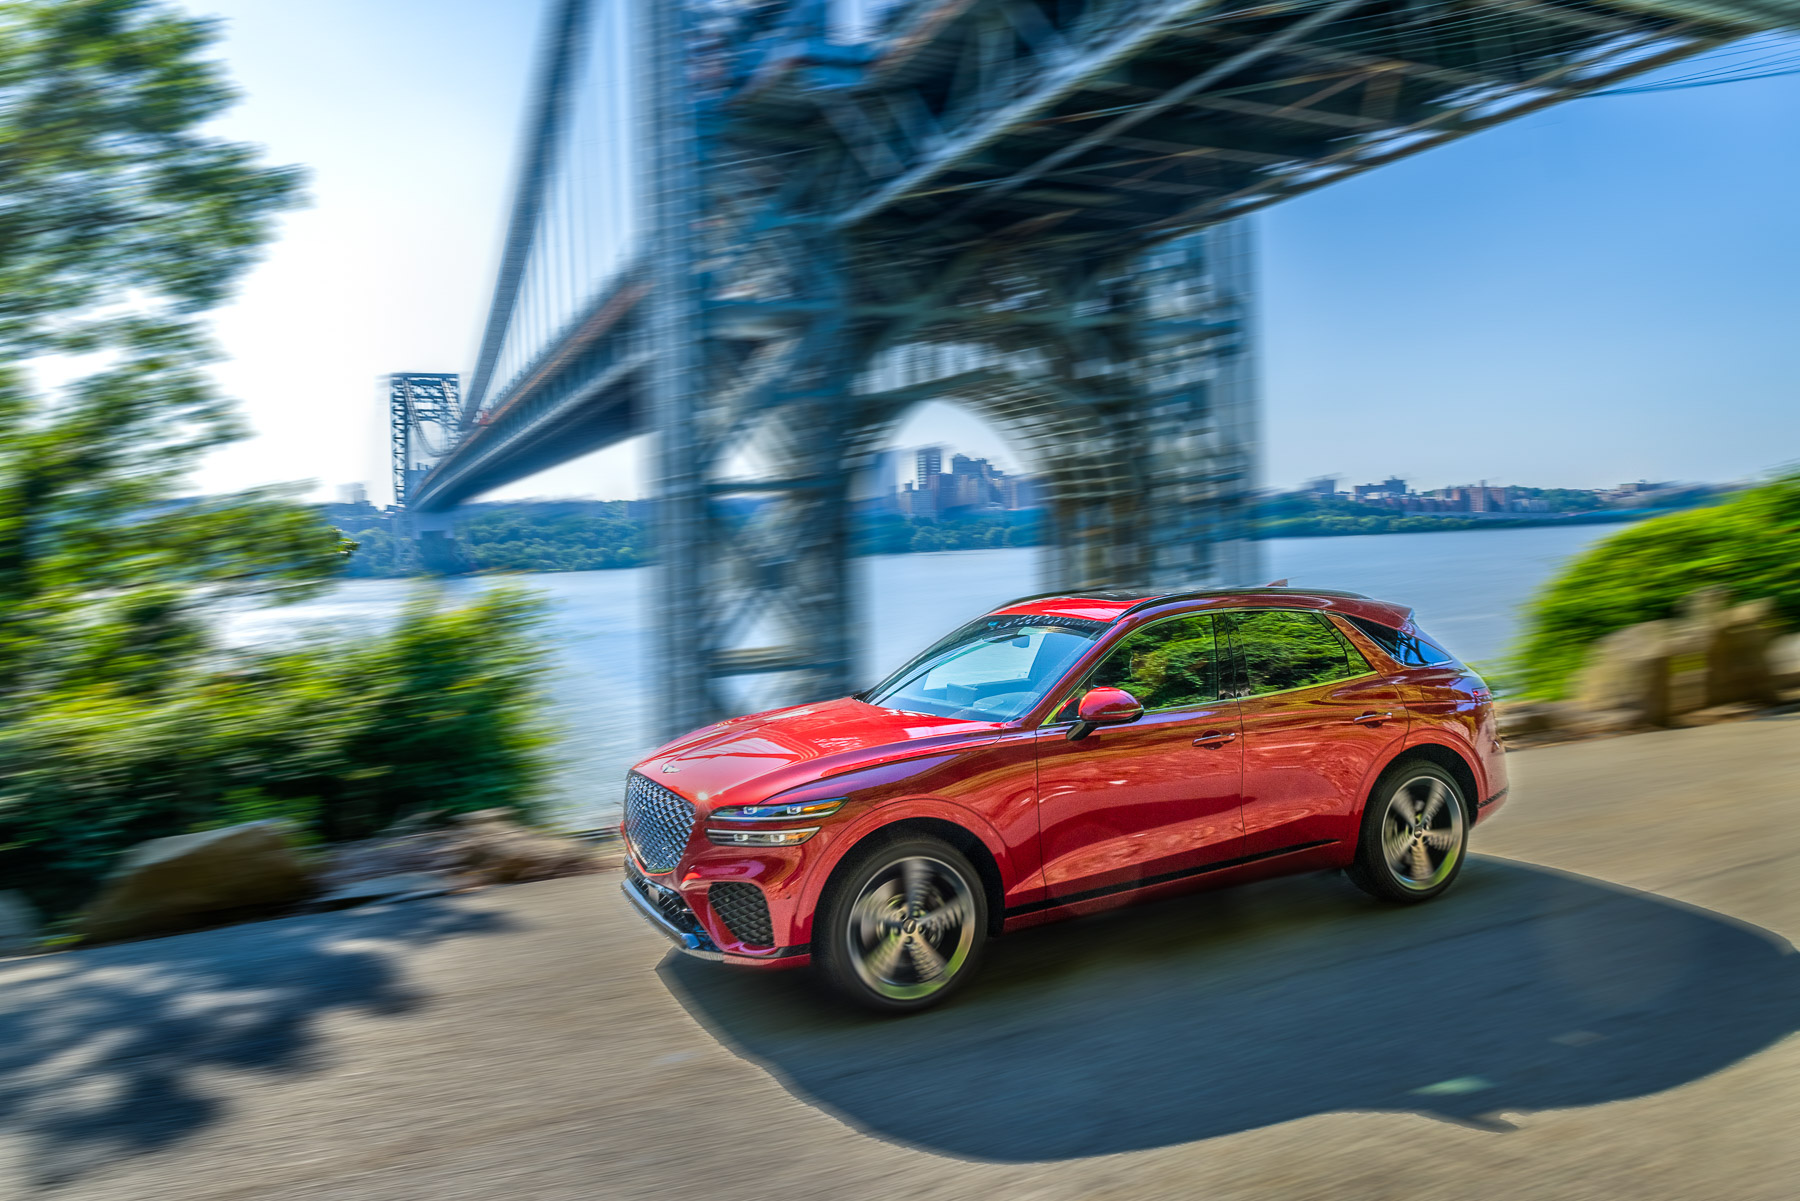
[1628, 672]
[1738, 640]
[499, 851]
[1784, 662]
[19, 928]
[191, 880]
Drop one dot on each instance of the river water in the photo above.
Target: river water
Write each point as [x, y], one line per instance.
[1467, 586]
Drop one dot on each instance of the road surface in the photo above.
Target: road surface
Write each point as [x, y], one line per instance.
[1605, 1006]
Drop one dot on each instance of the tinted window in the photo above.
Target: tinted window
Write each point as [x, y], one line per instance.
[1410, 649]
[1281, 649]
[1165, 665]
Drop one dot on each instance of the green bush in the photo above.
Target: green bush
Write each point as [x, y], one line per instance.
[342, 738]
[1749, 545]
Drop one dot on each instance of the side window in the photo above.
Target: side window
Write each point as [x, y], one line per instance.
[1165, 665]
[1281, 649]
[1412, 650]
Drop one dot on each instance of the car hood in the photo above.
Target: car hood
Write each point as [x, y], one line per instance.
[746, 759]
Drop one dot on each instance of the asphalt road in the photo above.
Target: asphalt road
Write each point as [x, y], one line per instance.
[1605, 1006]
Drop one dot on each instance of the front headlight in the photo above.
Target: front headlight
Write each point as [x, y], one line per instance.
[759, 838]
[779, 812]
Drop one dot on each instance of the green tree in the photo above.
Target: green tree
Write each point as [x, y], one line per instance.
[121, 222]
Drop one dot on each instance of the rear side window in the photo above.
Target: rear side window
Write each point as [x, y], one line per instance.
[1279, 649]
[1410, 649]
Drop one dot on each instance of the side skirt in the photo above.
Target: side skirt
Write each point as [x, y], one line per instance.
[1049, 904]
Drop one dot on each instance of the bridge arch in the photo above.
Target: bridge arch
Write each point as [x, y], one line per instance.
[1077, 453]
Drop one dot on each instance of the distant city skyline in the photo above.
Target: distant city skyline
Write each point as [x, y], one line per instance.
[1545, 303]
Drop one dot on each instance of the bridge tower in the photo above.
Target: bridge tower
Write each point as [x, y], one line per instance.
[424, 422]
[789, 343]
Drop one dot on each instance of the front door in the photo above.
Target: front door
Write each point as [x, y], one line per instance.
[1153, 799]
[1316, 721]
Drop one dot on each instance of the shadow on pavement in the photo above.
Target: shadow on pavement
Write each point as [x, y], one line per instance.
[1524, 989]
[106, 1053]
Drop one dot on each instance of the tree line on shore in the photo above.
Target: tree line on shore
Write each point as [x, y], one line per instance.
[599, 535]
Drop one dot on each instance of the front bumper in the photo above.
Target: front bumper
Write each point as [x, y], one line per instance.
[664, 909]
[668, 911]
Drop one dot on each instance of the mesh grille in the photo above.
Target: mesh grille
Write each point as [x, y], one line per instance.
[744, 911]
[657, 822]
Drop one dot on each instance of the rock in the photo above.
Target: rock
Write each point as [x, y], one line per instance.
[19, 926]
[1784, 662]
[479, 848]
[503, 853]
[170, 884]
[1628, 670]
[1521, 719]
[402, 886]
[1737, 654]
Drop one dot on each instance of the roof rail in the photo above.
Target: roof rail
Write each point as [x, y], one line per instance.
[1205, 593]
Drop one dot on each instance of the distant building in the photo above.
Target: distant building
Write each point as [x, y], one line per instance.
[1324, 485]
[928, 464]
[971, 485]
[353, 494]
[1388, 489]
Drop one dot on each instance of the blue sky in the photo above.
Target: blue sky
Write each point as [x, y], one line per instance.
[1601, 292]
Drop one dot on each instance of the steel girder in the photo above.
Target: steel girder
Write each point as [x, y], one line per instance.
[1103, 119]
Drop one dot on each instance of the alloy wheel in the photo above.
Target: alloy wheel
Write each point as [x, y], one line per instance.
[1422, 833]
[912, 927]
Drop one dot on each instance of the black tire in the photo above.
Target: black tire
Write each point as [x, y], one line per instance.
[903, 926]
[1415, 834]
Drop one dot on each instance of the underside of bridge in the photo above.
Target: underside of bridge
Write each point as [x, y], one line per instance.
[1033, 207]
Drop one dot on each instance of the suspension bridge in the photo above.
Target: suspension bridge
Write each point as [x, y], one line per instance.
[763, 230]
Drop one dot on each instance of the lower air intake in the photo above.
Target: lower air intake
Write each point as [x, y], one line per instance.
[744, 911]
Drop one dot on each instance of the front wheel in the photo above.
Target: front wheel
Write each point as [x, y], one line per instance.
[1415, 833]
[903, 927]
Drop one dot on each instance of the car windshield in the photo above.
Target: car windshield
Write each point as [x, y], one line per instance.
[992, 670]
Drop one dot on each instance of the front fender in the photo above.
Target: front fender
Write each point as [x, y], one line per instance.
[846, 839]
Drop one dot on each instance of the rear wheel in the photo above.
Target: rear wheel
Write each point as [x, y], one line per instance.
[1415, 834]
[904, 927]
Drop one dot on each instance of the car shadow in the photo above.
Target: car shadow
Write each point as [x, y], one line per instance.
[107, 1053]
[1525, 989]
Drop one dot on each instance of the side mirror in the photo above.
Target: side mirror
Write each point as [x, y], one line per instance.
[1104, 707]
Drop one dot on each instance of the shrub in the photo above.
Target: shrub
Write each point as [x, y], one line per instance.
[1749, 545]
[342, 738]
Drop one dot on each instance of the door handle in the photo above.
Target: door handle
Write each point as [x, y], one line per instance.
[1371, 719]
[1214, 739]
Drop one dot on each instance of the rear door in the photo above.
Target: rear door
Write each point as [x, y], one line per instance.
[1316, 719]
[1152, 799]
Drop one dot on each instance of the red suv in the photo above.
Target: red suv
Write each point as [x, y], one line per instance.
[1061, 755]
